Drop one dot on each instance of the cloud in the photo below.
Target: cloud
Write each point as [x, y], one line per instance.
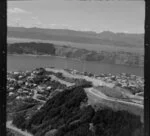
[35, 18]
[36, 21]
[17, 11]
[59, 26]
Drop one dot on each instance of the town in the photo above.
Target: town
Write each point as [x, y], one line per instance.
[29, 91]
[41, 84]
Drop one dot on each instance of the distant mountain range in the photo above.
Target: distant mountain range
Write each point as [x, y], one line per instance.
[85, 37]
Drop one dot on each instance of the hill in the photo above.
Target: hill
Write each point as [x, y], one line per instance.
[105, 38]
[68, 114]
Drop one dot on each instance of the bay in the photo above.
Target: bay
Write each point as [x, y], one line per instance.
[29, 62]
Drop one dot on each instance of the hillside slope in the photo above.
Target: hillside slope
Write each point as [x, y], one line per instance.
[104, 38]
[68, 114]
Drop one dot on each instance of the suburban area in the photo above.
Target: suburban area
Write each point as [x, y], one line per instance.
[28, 91]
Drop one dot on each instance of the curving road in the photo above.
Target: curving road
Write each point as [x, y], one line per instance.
[96, 82]
[61, 81]
[103, 96]
[10, 126]
[135, 108]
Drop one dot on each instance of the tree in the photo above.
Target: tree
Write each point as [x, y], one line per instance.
[19, 120]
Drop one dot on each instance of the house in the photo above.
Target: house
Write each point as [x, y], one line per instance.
[26, 83]
[20, 77]
[41, 89]
[16, 73]
[11, 88]
[34, 85]
[19, 97]
[20, 82]
[48, 88]
[24, 91]
[19, 90]
[11, 93]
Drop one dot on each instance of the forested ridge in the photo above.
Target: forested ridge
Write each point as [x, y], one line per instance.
[31, 48]
[68, 114]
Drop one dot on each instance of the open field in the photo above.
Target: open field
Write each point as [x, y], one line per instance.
[98, 101]
[113, 92]
[120, 93]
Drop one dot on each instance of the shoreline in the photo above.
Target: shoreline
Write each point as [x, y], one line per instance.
[64, 69]
[33, 55]
[74, 59]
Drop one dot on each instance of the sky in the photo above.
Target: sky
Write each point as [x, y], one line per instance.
[116, 16]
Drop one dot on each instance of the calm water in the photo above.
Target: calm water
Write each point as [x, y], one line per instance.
[22, 62]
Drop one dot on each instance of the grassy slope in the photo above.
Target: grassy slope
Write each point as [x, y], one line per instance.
[101, 103]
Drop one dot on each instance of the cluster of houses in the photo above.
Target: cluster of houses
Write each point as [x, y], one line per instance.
[22, 85]
[132, 82]
[18, 85]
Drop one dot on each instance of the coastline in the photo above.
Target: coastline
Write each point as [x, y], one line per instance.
[74, 59]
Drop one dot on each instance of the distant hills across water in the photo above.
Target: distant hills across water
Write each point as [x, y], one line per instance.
[82, 39]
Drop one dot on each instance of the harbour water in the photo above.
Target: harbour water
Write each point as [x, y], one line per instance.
[26, 62]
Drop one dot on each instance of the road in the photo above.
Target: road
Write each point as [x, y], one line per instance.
[9, 123]
[53, 78]
[10, 126]
[99, 97]
[96, 82]
[35, 96]
[61, 81]
[97, 93]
